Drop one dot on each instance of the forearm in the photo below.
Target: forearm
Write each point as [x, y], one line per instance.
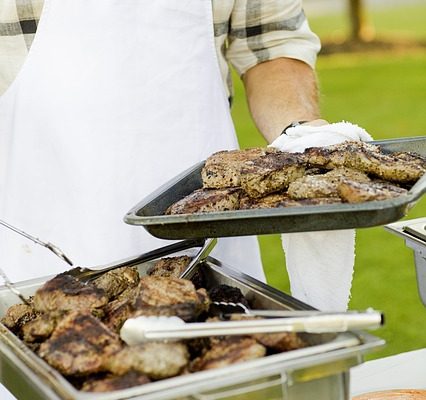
[279, 92]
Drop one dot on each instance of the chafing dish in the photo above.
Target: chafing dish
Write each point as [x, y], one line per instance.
[320, 371]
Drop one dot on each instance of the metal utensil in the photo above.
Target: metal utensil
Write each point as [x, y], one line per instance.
[53, 248]
[141, 329]
[208, 246]
[87, 274]
[12, 288]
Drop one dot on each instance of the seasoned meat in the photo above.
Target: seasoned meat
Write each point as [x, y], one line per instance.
[17, 316]
[276, 200]
[206, 200]
[170, 296]
[324, 185]
[271, 173]
[170, 266]
[116, 281]
[66, 293]
[227, 351]
[356, 192]
[40, 328]
[113, 382]
[116, 313]
[369, 159]
[223, 169]
[79, 344]
[157, 360]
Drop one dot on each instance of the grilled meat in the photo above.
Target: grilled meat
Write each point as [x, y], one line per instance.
[116, 281]
[17, 316]
[170, 296]
[271, 173]
[357, 192]
[206, 200]
[324, 185]
[276, 200]
[169, 266]
[79, 345]
[157, 360]
[369, 159]
[113, 382]
[227, 351]
[223, 169]
[66, 293]
[40, 328]
[116, 313]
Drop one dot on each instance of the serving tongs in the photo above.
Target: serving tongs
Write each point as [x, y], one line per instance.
[142, 329]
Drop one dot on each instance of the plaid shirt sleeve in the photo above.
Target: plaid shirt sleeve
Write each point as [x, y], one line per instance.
[18, 24]
[248, 32]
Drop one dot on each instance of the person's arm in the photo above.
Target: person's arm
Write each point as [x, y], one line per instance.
[279, 92]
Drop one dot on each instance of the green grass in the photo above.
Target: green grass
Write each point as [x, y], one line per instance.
[386, 94]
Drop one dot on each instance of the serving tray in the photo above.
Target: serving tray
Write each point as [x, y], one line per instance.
[149, 213]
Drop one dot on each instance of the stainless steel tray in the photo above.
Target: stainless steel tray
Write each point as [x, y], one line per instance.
[149, 212]
[320, 371]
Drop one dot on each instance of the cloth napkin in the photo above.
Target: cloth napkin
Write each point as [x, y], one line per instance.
[320, 264]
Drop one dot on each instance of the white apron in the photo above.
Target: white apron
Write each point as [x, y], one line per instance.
[114, 99]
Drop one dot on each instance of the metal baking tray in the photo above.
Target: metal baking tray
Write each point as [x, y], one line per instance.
[320, 371]
[150, 211]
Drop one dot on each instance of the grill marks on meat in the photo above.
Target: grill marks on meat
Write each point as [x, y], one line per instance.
[41, 328]
[271, 173]
[112, 383]
[223, 169]
[227, 351]
[357, 192]
[66, 293]
[79, 345]
[170, 296]
[157, 360]
[207, 200]
[400, 168]
[324, 185]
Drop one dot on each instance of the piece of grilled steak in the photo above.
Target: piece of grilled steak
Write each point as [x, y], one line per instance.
[66, 293]
[117, 280]
[79, 344]
[357, 192]
[323, 185]
[170, 296]
[113, 382]
[227, 351]
[367, 158]
[157, 360]
[17, 316]
[40, 328]
[116, 312]
[169, 266]
[271, 173]
[206, 200]
[223, 169]
[276, 200]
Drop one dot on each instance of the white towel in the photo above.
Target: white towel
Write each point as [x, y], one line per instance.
[320, 264]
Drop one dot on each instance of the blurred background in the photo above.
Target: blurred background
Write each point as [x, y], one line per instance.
[372, 72]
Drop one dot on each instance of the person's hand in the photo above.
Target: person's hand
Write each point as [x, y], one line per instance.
[318, 133]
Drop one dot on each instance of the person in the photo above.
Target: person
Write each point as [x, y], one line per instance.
[104, 101]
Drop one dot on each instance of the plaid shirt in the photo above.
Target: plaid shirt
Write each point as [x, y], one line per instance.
[246, 32]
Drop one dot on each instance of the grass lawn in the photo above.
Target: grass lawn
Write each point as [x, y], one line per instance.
[386, 94]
